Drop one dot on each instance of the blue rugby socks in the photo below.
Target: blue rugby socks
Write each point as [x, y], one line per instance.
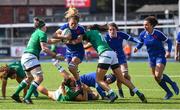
[167, 79]
[163, 85]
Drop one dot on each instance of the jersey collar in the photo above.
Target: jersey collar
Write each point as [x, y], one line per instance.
[150, 33]
[113, 37]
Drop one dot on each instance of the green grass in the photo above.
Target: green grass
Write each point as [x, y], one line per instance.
[141, 77]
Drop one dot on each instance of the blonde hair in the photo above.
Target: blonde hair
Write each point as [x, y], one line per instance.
[3, 71]
[71, 12]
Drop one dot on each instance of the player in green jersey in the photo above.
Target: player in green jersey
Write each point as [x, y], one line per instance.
[30, 61]
[67, 90]
[13, 70]
[107, 58]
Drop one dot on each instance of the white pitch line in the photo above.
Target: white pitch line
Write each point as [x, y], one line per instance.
[174, 76]
[12, 87]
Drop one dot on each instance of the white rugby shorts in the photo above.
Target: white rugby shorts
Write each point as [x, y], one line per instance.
[108, 57]
[29, 60]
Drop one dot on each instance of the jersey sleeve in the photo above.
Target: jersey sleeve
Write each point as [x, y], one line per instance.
[178, 38]
[140, 44]
[129, 38]
[162, 37]
[43, 37]
[124, 35]
[63, 27]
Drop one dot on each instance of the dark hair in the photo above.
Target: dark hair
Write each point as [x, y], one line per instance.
[97, 27]
[68, 81]
[152, 20]
[38, 23]
[41, 24]
[113, 25]
[111, 76]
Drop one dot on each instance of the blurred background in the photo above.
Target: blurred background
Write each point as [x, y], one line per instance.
[16, 17]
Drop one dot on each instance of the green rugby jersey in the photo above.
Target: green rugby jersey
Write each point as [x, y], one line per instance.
[33, 46]
[98, 41]
[70, 95]
[19, 70]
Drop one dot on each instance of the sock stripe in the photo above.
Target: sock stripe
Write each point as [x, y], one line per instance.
[24, 81]
[135, 90]
[35, 84]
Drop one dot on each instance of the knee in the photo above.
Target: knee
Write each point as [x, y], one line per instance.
[157, 78]
[39, 78]
[96, 96]
[126, 75]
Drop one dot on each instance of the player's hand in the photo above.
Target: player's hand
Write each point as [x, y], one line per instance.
[168, 55]
[60, 57]
[135, 50]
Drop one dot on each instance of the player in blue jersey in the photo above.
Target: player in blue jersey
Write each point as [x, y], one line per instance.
[74, 51]
[107, 58]
[177, 48]
[88, 79]
[115, 40]
[154, 39]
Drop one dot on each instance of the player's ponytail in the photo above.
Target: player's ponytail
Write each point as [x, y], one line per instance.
[100, 28]
[72, 12]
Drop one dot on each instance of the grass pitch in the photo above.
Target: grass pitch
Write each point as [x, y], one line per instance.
[141, 77]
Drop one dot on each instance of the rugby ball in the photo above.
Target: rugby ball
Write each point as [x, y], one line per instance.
[66, 31]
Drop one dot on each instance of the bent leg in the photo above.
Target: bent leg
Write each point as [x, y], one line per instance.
[159, 78]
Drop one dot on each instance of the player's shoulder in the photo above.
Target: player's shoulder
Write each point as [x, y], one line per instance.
[64, 26]
[106, 35]
[158, 32]
[121, 33]
[80, 27]
[143, 32]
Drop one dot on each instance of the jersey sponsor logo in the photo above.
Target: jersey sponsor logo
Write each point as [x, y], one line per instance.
[78, 32]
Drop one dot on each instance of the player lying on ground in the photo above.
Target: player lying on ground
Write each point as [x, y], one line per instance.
[67, 90]
[89, 79]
